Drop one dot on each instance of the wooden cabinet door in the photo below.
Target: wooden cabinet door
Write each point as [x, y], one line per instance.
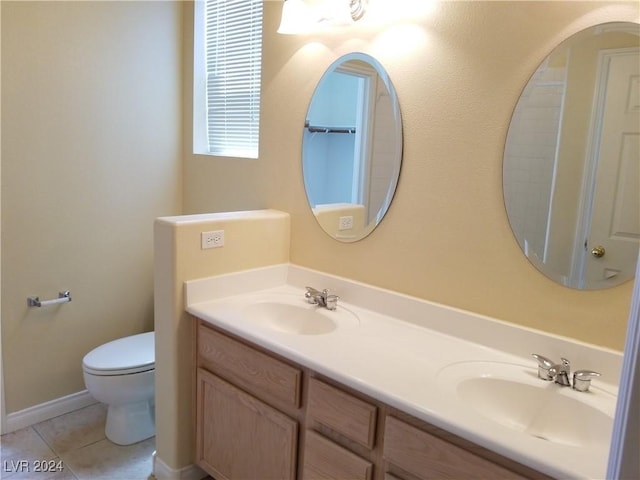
[239, 437]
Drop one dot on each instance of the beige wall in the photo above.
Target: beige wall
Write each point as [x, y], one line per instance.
[446, 237]
[91, 149]
[217, 184]
[90, 157]
[252, 240]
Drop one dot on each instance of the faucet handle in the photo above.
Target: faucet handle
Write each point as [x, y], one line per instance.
[332, 301]
[311, 295]
[544, 364]
[582, 379]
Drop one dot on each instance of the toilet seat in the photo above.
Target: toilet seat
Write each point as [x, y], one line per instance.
[124, 356]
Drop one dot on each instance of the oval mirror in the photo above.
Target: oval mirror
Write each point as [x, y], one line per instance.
[352, 147]
[571, 176]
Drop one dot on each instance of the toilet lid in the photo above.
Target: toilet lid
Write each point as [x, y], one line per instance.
[123, 356]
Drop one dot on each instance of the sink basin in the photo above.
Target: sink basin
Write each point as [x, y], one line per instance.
[512, 396]
[282, 313]
[303, 319]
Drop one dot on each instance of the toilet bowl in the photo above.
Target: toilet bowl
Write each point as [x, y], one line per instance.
[121, 374]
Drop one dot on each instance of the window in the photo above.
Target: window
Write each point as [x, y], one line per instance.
[227, 64]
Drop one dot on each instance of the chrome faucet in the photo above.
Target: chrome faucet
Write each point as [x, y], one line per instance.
[560, 373]
[322, 298]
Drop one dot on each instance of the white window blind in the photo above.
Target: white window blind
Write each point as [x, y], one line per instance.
[233, 58]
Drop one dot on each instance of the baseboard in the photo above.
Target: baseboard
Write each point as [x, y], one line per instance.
[45, 411]
[163, 472]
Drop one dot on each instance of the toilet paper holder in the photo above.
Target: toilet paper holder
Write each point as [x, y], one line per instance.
[63, 297]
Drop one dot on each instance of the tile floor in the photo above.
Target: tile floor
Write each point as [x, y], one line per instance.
[75, 447]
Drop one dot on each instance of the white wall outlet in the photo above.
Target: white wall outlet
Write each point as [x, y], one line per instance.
[214, 239]
[345, 223]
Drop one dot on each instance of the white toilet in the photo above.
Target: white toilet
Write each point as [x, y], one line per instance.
[121, 374]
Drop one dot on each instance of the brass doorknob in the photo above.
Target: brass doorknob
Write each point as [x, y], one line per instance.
[598, 251]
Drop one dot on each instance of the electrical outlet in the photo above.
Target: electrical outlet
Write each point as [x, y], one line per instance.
[214, 239]
[345, 223]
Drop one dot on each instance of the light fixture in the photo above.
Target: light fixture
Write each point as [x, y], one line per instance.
[296, 18]
[358, 9]
[300, 16]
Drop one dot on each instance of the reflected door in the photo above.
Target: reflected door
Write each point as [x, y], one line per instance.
[615, 221]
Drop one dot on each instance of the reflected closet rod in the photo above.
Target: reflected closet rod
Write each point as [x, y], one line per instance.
[319, 129]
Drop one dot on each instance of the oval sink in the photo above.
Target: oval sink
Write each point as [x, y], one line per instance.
[512, 396]
[299, 319]
[290, 318]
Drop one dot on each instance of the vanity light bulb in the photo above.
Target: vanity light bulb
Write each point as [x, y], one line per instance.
[383, 12]
[296, 18]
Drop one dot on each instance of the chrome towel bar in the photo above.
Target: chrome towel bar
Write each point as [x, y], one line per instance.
[63, 297]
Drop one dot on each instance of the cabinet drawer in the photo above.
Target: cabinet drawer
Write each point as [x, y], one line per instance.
[324, 459]
[249, 368]
[342, 413]
[427, 456]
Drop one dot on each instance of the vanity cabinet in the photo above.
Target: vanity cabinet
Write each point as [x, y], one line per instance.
[242, 395]
[261, 416]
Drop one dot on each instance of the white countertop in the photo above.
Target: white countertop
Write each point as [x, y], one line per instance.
[397, 358]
